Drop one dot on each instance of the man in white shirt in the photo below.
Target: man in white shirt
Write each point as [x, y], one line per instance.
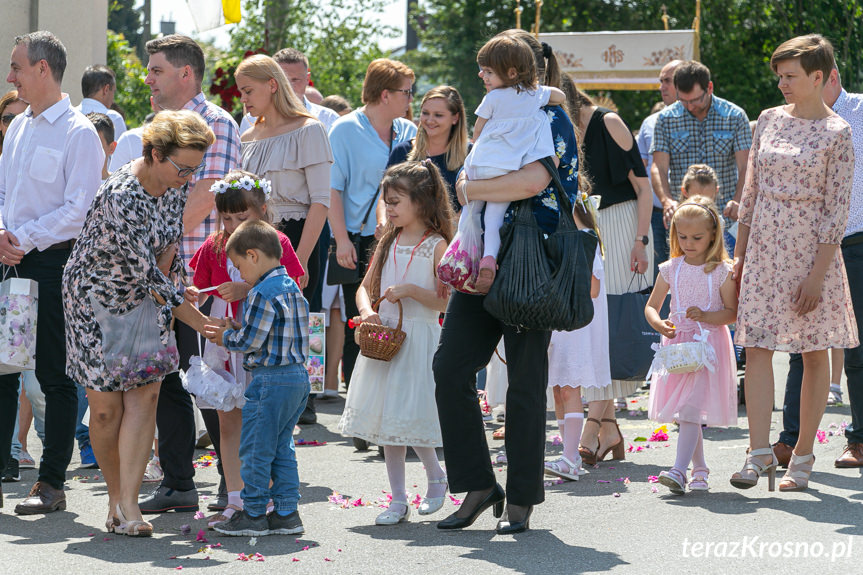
[49, 173]
[295, 65]
[98, 85]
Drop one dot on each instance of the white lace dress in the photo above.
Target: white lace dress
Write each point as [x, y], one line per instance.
[393, 403]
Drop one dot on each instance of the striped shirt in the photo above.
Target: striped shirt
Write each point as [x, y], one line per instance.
[275, 327]
[850, 108]
[222, 157]
[712, 141]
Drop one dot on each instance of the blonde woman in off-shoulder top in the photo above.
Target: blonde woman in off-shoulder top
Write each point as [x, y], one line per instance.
[289, 147]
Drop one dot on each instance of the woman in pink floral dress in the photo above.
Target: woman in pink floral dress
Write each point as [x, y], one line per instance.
[794, 293]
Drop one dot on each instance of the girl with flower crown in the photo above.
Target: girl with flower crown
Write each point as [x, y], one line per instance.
[240, 196]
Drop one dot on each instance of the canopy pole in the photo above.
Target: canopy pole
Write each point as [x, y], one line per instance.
[696, 26]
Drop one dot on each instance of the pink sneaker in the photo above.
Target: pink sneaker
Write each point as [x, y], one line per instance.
[487, 271]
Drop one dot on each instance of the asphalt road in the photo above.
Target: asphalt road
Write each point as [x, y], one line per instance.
[613, 519]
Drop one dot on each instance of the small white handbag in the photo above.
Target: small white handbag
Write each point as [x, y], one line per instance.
[689, 356]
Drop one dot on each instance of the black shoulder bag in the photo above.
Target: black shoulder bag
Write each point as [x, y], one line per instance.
[338, 275]
[543, 280]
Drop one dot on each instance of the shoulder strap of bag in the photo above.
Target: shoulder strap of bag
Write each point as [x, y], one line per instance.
[564, 205]
[374, 201]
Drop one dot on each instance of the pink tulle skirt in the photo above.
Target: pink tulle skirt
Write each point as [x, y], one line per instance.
[703, 396]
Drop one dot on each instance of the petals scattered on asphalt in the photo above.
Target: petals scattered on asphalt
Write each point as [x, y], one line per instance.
[185, 529]
[294, 559]
[659, 434]
[821, 436]
[616, 494]
[602, 481]
[201, 537]
[253, 541]
[199, 515]
[652, 479]
[455, 501]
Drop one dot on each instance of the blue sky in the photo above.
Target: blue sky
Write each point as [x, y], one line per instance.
[178, 11]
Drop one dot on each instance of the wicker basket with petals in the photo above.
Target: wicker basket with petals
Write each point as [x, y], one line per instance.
[378, 341]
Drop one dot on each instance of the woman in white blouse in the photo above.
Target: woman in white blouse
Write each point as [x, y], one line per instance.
[289, 147]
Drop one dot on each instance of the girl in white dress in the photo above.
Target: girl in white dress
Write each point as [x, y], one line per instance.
[393, 403]
[578, 359]
[511, 131]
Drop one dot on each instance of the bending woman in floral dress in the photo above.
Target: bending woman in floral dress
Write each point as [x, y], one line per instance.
[794, 295]
[124, 266]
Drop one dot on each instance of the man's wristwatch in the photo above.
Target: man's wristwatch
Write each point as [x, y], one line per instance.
[642, 239]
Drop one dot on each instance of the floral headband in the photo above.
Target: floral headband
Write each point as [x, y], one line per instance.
[244, 183]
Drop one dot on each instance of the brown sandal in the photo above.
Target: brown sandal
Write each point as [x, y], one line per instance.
[588, 456]
[617, 449]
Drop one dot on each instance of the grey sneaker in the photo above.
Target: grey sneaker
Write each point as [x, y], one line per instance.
[167, 499]
[241, 523]
[287, 525]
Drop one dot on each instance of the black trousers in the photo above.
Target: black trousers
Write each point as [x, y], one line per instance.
[853, 256]
[61, 395]
[467, 342]
[294, 230]
[175, 416]
[351, 350]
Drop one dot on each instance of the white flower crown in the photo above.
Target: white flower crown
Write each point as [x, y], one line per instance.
[244, 183]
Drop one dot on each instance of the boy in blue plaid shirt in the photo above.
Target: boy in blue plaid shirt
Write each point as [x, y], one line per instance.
[274, 339]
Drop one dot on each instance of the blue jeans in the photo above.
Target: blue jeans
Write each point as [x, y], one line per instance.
[853, 256]
[82, 432]
[275, 399]
[660, 240]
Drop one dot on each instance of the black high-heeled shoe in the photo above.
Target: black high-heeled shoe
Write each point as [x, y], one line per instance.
[495, 498]
[507, 527]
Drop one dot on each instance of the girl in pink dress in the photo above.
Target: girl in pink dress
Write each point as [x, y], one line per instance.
[703, 302]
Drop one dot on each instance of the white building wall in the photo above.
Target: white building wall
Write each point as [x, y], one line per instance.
[80, 24]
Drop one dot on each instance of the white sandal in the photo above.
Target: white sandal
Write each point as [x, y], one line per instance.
[431, 505]
[565, 468]
[674, 480]
[797, 476]
[699, 479]
[389, 517]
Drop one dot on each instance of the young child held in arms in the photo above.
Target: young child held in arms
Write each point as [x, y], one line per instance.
[274, 339]
[703, 300]
[511, 131]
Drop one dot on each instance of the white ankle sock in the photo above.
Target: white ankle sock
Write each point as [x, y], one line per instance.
[561, 427]
[572, 434]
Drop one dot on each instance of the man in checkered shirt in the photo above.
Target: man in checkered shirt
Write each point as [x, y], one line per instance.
[700, 128]
[175, 72]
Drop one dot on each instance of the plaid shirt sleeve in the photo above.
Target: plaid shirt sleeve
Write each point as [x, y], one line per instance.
[660, 137]
[224, 155]
[257, 325]
[742, 133]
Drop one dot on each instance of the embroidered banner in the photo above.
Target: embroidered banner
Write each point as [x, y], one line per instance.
[620, 60]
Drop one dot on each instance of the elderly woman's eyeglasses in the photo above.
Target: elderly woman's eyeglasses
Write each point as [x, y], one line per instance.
[7, 118]
[186, 172]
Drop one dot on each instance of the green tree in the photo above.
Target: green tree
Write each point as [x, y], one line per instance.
[338, 40]
[132, 95]
[125, 19]
[737, 38]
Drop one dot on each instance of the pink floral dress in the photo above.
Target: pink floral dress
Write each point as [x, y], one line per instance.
[797, 192]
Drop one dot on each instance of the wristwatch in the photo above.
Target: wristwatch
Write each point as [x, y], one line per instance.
[642, 239]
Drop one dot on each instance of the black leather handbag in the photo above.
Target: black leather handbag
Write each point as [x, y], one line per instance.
[543, 280]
